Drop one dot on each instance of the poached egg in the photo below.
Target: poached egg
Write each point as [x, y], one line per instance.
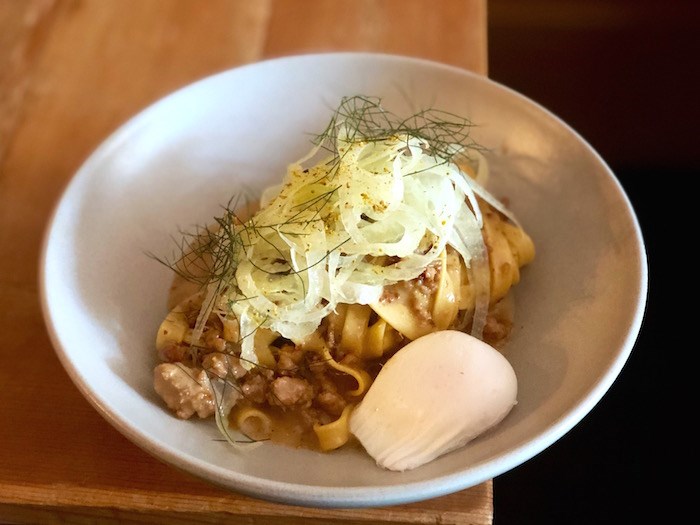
[433, 396]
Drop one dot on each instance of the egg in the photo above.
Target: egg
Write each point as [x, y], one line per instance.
[433, 396]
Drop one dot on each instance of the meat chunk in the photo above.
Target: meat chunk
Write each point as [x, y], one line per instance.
[255, 388]
[214, 341]
[223, 365]
[289, 391]
[174, 353]
[288, 360]
[331, 402]
[497, 329]
[185, 390]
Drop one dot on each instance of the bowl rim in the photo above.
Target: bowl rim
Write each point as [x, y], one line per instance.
[333, 496]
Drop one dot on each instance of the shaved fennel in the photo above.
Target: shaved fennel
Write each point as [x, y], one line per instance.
[375, 201]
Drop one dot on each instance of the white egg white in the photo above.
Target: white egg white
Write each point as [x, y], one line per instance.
[433, 396]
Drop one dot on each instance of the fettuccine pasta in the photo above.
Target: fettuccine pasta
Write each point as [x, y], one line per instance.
[384, 233]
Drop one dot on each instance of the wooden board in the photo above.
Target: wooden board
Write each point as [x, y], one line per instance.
[70, 72]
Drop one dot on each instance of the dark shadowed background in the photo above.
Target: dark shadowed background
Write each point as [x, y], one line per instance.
[624, 74]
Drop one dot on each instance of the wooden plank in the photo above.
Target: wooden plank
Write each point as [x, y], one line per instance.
[72, 71]
[23, 26]
[449, 31]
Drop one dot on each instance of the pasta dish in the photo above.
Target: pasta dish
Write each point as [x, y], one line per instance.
[280, 320]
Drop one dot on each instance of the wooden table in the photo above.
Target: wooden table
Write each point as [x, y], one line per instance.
[70, 72]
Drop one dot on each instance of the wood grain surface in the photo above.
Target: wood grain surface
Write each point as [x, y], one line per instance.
[71, 71]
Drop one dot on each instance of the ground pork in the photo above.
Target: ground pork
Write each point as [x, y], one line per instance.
[185, 390]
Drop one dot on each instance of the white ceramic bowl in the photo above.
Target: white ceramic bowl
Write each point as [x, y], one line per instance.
[579, 305]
